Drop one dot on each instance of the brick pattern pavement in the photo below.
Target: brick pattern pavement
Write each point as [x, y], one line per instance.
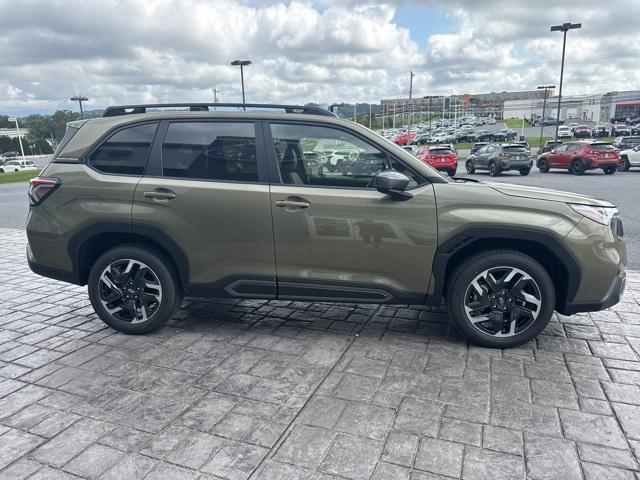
[292, 390]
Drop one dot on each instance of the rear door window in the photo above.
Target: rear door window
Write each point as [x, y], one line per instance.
[126, 151]
[223, 151]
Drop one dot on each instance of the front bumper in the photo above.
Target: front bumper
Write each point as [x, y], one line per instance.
[613, 296]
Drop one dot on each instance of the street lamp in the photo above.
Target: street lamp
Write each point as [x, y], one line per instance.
[15, 119]
[564, 28]
[242, 64]
[546, 88]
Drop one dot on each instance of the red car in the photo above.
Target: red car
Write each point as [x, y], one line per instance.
[582, 131]
[404, 138]
[577, 157]
[440, 158]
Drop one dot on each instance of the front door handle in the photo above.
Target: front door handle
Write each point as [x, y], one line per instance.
[293, 203]
[160, 194]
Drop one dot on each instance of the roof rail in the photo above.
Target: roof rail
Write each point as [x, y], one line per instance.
[204, 107]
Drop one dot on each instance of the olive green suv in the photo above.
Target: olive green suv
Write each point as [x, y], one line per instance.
[146, 206]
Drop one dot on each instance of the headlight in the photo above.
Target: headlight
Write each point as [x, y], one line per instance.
[601, 215]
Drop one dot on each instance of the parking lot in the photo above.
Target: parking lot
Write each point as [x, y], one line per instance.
[293, 390]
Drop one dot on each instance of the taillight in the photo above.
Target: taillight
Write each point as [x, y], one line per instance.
[40, 188]
[502, 154]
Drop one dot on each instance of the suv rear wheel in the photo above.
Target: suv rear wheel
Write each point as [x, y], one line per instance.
[609, 170]
[133, 290]
[577, 168]
[494, 171]
[500, 298]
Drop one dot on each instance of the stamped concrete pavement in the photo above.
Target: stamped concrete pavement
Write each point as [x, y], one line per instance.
[292, 390]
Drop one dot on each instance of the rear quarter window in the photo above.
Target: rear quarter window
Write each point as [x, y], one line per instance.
[126, 151]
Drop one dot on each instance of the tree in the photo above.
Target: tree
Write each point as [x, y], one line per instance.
[4, 122]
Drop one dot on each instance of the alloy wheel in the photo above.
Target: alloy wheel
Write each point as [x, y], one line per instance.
[130, 291]
[502, 301]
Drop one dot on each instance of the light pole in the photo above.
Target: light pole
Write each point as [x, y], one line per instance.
[546, 88]
[15, 119]
[242, 64]
[564, 28]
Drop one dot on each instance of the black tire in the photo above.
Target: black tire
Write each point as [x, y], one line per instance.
[1, 170]
[494, 171]
[471, 169]
[543, 165]
[624, 165]
[525, 171]
[171, 294]
[609, 170]
[577, 167]
[460, 283]
[452, 172]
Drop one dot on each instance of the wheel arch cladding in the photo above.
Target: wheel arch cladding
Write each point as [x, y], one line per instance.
[560, 263]
[90, 242]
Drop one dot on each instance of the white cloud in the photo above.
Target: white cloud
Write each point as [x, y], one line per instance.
[117, 51]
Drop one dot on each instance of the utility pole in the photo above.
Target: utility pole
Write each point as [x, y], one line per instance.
[546, 88]
[369, 116]
[411, 75]
[79, 98]
[564, 28]
[215, 96]
[394, 115]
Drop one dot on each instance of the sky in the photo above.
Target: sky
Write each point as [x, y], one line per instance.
[325, 51]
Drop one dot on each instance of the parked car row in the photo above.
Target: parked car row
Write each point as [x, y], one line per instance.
[462, 130]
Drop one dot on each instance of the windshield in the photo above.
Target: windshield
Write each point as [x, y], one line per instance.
[440, 151]
[602, 146]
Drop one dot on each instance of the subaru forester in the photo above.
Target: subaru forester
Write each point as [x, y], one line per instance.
[146, 206]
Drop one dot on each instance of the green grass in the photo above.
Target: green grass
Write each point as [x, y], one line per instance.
[15, 177]
[516, 123]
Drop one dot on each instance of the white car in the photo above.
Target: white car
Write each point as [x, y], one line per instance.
[17, 166]
[630, 158]
[491, 121]
[564, 132]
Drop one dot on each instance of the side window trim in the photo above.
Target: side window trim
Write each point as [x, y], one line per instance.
[161, 134]
[274, 169]
[85, 159]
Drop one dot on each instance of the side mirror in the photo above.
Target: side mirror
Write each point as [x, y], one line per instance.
[393, 183]
[553, 150]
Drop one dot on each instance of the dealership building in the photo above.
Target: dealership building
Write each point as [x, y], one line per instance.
[477, 103]
[598, 108]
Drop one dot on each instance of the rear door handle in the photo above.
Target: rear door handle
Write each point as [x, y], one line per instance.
[293, 203]
[160, 195]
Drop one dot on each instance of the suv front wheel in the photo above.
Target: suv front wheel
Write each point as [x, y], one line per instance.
[500, 298]
[133, 290]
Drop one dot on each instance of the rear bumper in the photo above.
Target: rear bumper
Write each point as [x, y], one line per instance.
[444, 166]
[51, 272]
[611, 298]
[609, 162]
